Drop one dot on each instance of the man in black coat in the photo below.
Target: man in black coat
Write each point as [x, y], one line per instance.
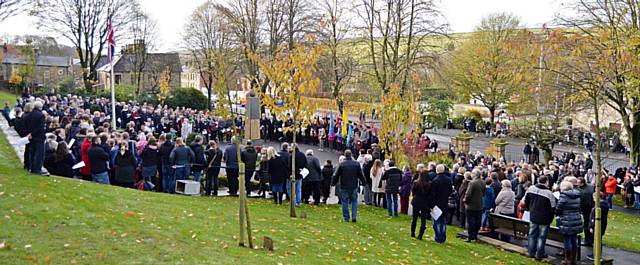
[199, 161]
[34, 124]
[98, 159]
[166, 171]
[214, 160]
[313, 179]
[300, 163]
[348, 174]
[441, 188]
[586, 204]
[249, 157]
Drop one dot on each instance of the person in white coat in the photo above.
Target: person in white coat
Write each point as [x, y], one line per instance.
[377, 184]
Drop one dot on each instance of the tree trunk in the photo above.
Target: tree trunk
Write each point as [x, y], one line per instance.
[292, 192]
[492, 115]
[597, 250]
[242, 198]
[633, 135]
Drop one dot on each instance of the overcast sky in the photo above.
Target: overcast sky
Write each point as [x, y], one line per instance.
[462, 15]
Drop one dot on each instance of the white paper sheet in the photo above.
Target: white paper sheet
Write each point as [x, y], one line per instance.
[23, 140]
[435, 213]
[304, 172]
[73, 141]
[79, 165]
[557, 195]
[636, 189]
[526, 216]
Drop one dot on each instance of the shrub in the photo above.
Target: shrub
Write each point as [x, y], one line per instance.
[473, 114]
[122, 93]
[187, 97]
[440, 159]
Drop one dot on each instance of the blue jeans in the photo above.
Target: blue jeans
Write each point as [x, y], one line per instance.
[570, 242]
[168, 179]
[610, 200]
[485, 218]
[349, 197]
[298, 190]
[537, 239]
[440, 228]
[197, 175]
[102, 178]
[392, 196]
[637, 204]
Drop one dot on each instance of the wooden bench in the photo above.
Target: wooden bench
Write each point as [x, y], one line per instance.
[519, 229]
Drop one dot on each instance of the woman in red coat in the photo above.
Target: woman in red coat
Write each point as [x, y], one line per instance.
[86, 170]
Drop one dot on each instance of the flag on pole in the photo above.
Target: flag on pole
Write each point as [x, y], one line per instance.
[345, 123]
[111, 41]
[331, 125]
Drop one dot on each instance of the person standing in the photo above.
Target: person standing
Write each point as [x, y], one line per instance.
[441, 188]
[314, 178]
[421, 189]
[98, 160]
[301, 162]
[150, 161]
[488, 204]
[199, 159]
[569, 220]
[181, 158]
[527, 153]
[21, 128]
[610, 186]
[249, 157]
[230, 157]
[263, 172]
[348, 174]
[378, 184]
[539, 201]
[393, 178]
[35, 126]
[125, 167]
[366, 170]
[166, 170]
[473, 204]
[462, 191]
[586, 204]
[279, 170]
[327, 172]
[405, 190]
[214, 160]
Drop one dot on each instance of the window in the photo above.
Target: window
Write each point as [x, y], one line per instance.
[118, 79]
[47, 75]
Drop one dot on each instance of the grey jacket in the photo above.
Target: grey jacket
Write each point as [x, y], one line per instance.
[505, 202]
[181, 155]
[315, 172]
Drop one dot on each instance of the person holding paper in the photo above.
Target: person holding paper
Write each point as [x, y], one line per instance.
[98, 159]
[441, 188]
[301, 162]
[539, 201]
[313, 179]
[348, 174]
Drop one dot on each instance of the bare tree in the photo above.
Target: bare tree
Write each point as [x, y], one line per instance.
[245, 26]
[274, 16]
[332, 30]
[85, 24]
[206, 37]
[144, 35]
[9, 8]
[397, 33]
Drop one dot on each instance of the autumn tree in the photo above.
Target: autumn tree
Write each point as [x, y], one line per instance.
[492, 65]
[613, 27]
[85, 25]
[398, 35]
[206, 37]
[292, 76]
[165, 89]
[9, 8]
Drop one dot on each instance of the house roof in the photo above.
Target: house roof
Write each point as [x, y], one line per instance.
[41, 60]
[155, 62]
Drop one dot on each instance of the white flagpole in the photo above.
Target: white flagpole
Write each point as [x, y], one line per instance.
[113, 95]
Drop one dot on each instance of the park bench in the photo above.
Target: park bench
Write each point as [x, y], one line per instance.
[519, 229]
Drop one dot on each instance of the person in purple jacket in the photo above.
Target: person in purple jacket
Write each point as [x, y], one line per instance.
[405, 189]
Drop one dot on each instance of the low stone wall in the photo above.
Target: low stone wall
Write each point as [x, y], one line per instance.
[12, 137]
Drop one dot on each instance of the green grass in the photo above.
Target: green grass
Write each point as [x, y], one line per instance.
[623, 231]
[62, 221]
[6, 96]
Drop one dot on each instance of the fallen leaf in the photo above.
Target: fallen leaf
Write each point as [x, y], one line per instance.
[100, 255]
[66, 245]
[131, 214]
[2, 245]
[19, 213]
[27, 246]
[123, 235]
[47, 259]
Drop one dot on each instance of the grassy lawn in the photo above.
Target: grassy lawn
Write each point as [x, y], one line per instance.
[6, 96]
[623, 231]
[51, 220]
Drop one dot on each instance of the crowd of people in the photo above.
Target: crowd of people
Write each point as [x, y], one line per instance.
[152, 147]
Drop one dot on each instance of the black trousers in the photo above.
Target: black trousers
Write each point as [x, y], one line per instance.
[326, 189]
[211, 183]
[588, 236]
[27, 157]
[232, 181]
[422, 213]
[311, 189]
[473, 223]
